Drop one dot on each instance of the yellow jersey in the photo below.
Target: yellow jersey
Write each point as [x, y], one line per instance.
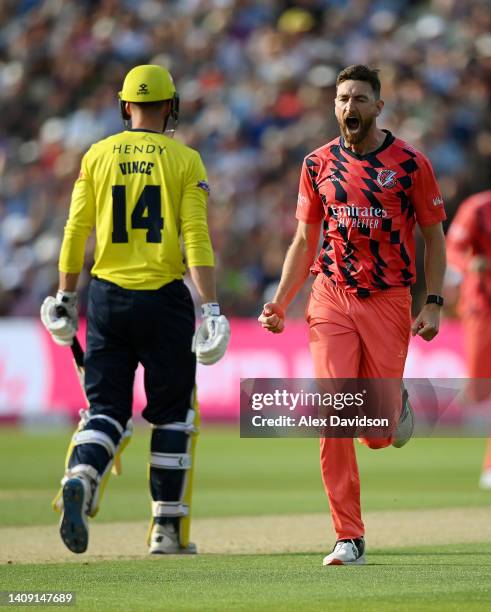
[142, 191]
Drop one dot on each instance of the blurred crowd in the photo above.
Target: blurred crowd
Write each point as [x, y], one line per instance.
[256, 81]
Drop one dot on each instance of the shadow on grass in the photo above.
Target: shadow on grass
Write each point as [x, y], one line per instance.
[433, 558]
[374, 553]
[433, 553]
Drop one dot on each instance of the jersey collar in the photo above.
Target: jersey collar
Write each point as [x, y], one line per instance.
[389, 139]
[143, 130]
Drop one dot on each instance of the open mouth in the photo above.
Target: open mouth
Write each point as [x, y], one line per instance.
[352, 123]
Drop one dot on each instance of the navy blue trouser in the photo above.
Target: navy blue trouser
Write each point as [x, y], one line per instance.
[124, 328]
[152, 327]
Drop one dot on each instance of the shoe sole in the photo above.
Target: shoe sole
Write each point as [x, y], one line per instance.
[73, 530]
[410, 415]
[360, 561]
[191, 549]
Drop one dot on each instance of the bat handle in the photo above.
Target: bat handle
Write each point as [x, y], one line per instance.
[78, 352]
[60, 311]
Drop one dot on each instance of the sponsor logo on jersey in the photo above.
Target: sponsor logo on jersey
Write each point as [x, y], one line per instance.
[352, 215]
[203, 185]
[335, 177]
[438, 201]
[353, 210]
[386, 178]
[302, 200]
[143, 91]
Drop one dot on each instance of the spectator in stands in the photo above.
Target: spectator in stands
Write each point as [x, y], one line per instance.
[256, 78]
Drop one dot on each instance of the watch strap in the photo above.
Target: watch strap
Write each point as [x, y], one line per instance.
[434, 299]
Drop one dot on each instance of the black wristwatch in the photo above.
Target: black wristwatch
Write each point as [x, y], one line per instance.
[434, 299]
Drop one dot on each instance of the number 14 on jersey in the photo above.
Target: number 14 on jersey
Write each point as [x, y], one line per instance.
[147, 214]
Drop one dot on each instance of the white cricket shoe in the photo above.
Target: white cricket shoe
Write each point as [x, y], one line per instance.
[164, 540]
[346, 552]
[405, 426]
[485, 480]
[74, 528]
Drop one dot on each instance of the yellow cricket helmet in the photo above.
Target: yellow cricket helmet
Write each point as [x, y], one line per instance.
[149, 83]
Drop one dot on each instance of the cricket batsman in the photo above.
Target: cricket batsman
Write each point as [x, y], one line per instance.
[142, 192]
[367, 189]
[469, 258]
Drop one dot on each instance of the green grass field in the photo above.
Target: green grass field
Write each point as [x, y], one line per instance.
[248, 477]
[448, 579]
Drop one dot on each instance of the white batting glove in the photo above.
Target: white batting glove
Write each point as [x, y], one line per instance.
[212, 336]
[60, 317]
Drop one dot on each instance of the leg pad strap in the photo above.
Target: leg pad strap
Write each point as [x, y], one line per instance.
[170, 509]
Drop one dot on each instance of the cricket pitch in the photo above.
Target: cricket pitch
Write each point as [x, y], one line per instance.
[305, 533]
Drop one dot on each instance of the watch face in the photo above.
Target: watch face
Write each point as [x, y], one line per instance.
[435, 299]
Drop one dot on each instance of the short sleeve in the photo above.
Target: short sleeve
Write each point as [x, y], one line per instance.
[309, 204]
[426, 196]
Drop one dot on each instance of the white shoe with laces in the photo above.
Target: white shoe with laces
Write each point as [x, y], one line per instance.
[164, 540]
[347, 552]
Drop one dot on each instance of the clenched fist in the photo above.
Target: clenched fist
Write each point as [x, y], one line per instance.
[272, 318]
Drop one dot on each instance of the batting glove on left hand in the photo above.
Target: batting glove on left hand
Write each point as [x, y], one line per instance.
[211, 339]
[60, 317]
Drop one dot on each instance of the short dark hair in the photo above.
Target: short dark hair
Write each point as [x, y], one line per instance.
[359, 72]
